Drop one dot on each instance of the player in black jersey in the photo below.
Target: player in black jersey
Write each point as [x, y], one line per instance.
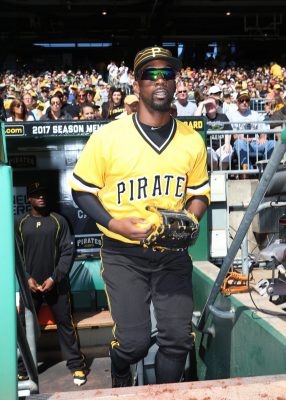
[45, 243]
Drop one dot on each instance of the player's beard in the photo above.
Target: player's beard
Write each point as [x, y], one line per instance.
[156, 104]
[43, 210]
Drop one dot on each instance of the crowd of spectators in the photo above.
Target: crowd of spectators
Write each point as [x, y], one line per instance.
[215, 93]
[194, 85]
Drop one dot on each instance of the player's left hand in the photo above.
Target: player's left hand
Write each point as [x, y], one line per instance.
[47, 285]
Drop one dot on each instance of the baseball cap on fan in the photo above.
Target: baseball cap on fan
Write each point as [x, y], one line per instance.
[130, 99]
[214, 90]
[243, 94]
[277, 87]
[155, 53]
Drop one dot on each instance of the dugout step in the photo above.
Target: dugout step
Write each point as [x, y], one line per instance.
[82, 319]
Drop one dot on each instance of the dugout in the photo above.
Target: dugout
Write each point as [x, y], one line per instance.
[48, 151]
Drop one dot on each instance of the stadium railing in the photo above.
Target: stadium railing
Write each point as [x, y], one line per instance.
[233, 167]
[258, 104]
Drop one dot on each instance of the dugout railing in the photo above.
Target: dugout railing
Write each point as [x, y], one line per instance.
[253, 207]
[231, 194]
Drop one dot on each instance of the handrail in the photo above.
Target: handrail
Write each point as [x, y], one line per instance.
[261, 189]
[32, 383]
[23, 284]
[27, 343]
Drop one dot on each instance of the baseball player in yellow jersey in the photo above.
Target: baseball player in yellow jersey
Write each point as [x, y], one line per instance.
[128, 167]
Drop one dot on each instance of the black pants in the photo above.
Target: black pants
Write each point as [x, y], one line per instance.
[59, 301]
[134, 276]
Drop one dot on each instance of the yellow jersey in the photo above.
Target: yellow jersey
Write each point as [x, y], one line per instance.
[128, 171]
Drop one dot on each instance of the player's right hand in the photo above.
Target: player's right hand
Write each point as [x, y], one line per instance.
[33, 285]
[131, 228]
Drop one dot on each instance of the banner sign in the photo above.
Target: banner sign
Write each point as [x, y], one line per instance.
[74, 128]
[86, 244]
[20, 201]
[197, 123]
[22, 161]
[55, 128]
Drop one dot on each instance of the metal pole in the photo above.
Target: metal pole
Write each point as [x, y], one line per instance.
[26, 297]
[31, 333]
[244, 255]
[27, 356]
[271, 168]
[28, 343]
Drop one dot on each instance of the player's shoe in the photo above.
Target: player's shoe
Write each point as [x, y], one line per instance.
[22, 376]
[79, 377]
[121, 380]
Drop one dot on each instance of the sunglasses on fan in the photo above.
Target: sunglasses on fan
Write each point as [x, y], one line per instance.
[244, 100]
[153, 74]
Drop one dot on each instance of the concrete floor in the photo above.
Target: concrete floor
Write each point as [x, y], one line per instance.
[55, 377]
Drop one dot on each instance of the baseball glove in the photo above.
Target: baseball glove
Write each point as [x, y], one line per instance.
[176, 232]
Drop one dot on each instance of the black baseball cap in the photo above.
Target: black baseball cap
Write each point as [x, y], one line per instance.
[155, 53]
[36, 188]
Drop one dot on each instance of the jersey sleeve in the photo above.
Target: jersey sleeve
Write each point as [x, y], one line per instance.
[88, 174]
[197, 177]
[18, 226]
[65, 250]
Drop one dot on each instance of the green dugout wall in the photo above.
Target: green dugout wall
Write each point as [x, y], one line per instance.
[8, 371]
[251, 344]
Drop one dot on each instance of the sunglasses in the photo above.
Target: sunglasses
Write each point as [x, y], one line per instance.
[153, 74]
[55, 103]
[81, 95]
[18, 105]
[37, 195]
[244, 100]
[182, 91]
